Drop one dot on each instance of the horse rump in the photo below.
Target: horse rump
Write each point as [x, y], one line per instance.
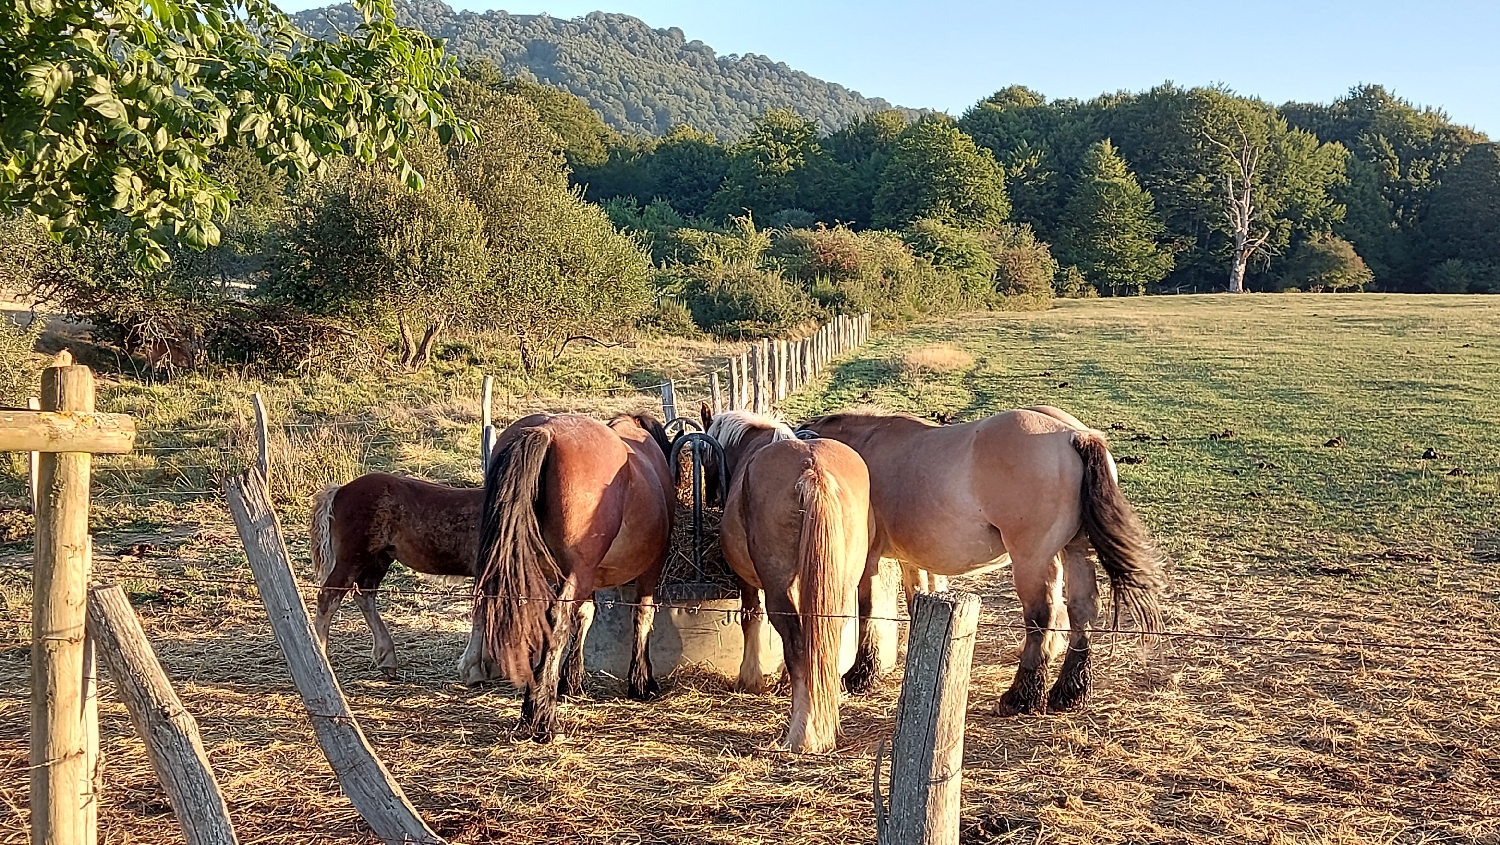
[320, 533]
[517, 573]
[1129, 557]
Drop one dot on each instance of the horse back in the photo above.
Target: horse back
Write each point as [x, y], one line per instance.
[430, 528]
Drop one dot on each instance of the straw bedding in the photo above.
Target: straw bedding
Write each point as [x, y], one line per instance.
[1208, 741]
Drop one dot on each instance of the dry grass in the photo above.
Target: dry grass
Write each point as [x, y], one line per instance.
[936, 358]
[1327, 739]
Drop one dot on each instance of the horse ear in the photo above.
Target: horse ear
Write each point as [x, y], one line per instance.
[707, 414]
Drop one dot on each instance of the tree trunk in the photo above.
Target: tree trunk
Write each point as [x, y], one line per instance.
[528, 356]
[424, 350]
[408, 342]
[1237, 266]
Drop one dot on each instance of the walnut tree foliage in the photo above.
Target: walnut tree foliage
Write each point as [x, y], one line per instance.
[113, 108]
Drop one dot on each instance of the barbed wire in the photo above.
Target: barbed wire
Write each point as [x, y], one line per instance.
[1344, 642]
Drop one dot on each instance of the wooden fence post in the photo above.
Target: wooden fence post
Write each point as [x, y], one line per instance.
[715, 394]
[781, 383]
[745, 390]
[62, 799]
[668, 401]
[371, 789]
[927, 752]
[263, 438]
[168, 731]
[34, 404]
[486, 427]
[758, 359]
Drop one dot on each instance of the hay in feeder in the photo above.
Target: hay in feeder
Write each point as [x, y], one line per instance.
[680, 569]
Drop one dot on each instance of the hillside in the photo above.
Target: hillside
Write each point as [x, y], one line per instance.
[640, 80]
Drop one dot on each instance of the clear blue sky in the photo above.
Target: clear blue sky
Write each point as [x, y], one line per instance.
[947, 55]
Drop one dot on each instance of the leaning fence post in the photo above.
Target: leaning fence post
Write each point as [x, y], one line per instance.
[927, 752]
[370, 788]
[715, 395]
[263, 438]
[168, 731]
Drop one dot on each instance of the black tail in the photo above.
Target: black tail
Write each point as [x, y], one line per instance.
[1130, 559]
[518, 575]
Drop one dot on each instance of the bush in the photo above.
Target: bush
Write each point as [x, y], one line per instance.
[1325, 263]
[957, 253]
[1070, 283]
[20, 365]
[740, 301]
[871, 271]
[1024, 266]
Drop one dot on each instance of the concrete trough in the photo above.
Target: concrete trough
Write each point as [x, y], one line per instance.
[700, 626]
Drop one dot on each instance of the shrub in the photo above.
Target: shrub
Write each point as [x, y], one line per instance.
[870, 271]
[740, 301]
[1325, 263]
[1024, 266]
[958, 253]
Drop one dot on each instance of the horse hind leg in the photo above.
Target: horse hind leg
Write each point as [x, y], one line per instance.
[752, 677]
[1074, 679]
[539, 708]
[865, 673]
[1036, 580]
[572, 671]
[788, 624]
[384, 648]
[641, 684]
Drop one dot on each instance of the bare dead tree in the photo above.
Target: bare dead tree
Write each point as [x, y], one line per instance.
[1247, 221]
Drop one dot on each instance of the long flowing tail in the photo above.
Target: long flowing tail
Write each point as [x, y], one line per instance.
[1130, 559]
[320, 532]
[825, 600]
[518, 575]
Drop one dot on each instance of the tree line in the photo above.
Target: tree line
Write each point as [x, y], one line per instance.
[1167, 189]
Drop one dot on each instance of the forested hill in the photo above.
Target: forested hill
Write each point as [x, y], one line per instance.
[640, 80]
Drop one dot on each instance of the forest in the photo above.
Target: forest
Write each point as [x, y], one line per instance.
[539, 219]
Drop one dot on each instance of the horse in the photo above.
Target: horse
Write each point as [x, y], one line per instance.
[1033, 487]
[358, 529]
[797, 525]
[571, 505]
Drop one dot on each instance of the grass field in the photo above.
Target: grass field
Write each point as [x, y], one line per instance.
[1275, 445]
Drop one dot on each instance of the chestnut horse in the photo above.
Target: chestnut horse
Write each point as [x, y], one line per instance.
[796, 525]
[358, 529]
[1033, 487]
[571, 506]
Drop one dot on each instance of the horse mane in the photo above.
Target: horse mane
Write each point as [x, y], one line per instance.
[841, 416]
[651, 426]
[730, 427]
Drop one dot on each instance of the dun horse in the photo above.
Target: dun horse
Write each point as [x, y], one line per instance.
[796, 525]
[359, 528]
[1031, 486]
[570, 506]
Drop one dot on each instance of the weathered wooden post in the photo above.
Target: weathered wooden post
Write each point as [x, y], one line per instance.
[780, 371]
[715, 396]
[486, 428]
[34, 404]
[759, 355]
[668, 401]
[168, 731]
[371, 789]
[927, 752]
[64, 725]
[262, 437]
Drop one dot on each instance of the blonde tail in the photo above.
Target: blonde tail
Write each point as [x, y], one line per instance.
[825, 601]
[320, 533]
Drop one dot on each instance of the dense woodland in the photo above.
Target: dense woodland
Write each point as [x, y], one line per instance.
[548, 224]
[640, 80]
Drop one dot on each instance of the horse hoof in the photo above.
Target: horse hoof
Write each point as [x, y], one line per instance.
[650, 692]
[1066, 701]
[1013, 705]
[389, 673]
[862, 683]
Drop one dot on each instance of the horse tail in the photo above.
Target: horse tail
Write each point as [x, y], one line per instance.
[824, 601]
[320, 533]
[1130, 558]
[517, 583]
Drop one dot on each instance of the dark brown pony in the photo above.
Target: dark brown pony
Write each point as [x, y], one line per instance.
[571, 506]
[1034, 488]
[358, 529]
[797, 526]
